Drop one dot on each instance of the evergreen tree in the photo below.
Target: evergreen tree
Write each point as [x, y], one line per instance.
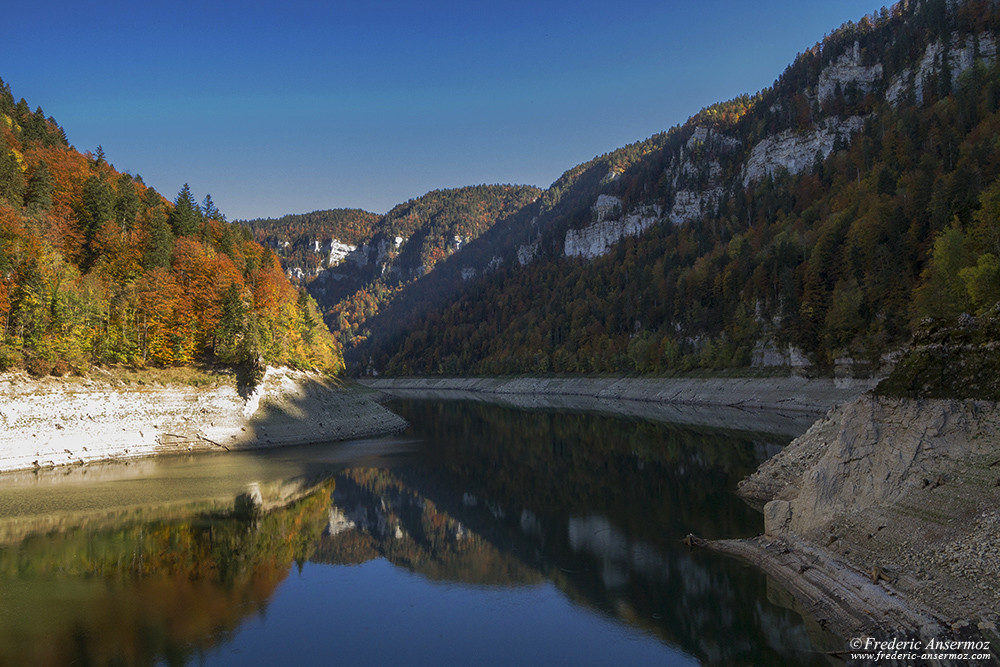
[210, 211]
[126, 202]
[11, 177]
[186, 216]
[38, 196]
[160, 244]
[98, 205]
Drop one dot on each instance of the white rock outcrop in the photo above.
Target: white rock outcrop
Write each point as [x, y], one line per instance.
[961, 54]
[692, 204]
[71, 421]
[337, 251]
[596, 239]
[526, 253]
[796, 151]
[847, 70]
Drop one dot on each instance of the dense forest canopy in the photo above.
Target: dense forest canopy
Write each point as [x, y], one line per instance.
[97, 267]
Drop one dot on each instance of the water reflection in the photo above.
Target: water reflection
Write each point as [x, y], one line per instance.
[496, 497]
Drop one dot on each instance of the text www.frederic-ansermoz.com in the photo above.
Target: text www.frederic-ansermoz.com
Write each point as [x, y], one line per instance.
[870, 649]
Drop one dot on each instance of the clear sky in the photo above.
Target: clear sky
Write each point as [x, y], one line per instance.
[286, 106]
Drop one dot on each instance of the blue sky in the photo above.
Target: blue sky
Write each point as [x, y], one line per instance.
[288, 107]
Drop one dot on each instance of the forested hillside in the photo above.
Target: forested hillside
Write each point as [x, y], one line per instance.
[355, 263]
[96, 267]
[305, 241]
[818, 220]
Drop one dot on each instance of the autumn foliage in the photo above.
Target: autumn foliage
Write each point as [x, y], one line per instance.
[96, 267]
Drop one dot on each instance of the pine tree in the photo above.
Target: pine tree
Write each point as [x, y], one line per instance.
[98, 205]
[126, 203]
[186, 216]
[38, 196]
[160, 244]
[210, 211]
[11, 177]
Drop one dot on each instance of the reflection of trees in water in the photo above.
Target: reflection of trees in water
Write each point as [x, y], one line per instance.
[500, 497]
[674, 480]
[147, 591]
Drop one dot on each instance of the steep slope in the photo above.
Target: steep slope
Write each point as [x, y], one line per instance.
[813, 222]
[97, 267]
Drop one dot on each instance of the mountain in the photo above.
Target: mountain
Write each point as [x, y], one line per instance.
[97, 267]
[355, 263]
[309, 243]
[814, 223]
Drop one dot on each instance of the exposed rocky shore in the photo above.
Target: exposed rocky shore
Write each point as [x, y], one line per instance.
[72, 421]
[777, 405]
[813, 395]
[883, 517]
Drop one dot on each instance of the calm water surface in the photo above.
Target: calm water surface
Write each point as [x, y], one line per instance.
[483, 535]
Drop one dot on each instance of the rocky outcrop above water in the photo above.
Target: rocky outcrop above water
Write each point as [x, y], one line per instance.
[904, 490]
[65, 421]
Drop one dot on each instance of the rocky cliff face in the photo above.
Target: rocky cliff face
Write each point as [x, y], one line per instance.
[845, 72]
[798, 151]
[959, 55]
[905, 489]
[609, 228]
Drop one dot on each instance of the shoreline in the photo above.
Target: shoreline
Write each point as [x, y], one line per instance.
[886, 505]
[783, 394]
[879, 517]
[52, 422]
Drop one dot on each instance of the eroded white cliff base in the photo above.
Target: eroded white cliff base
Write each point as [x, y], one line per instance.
[73, 421]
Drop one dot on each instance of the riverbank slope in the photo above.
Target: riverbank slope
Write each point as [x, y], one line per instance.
[50, 421]
[902, 491]
[778, 405]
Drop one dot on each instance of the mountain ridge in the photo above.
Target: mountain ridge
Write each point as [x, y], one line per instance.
[800, 225]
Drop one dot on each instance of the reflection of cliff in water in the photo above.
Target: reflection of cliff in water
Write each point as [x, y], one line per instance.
[596, 505]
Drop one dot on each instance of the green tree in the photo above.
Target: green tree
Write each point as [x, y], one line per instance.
[126, 202]
[982, 282]
[186, 216]
[11, 177]
[160, 243]
[943, 293]
[209, 210]
[38, 196]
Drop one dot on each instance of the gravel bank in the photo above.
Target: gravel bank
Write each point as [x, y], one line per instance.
[73, 421]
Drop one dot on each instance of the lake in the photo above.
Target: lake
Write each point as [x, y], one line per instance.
[485, 534]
